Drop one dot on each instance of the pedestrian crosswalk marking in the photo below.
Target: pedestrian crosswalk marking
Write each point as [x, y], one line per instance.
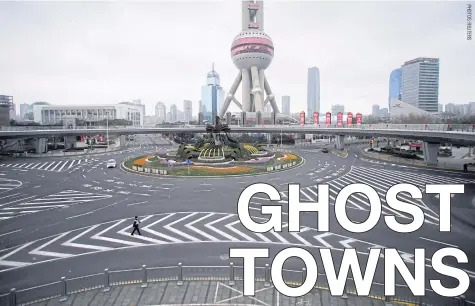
[130, 243]
[381, 180]
[98, 238]
[86, 246]
[62, 165]
[39, 250]
[147, 229]
[61, 199]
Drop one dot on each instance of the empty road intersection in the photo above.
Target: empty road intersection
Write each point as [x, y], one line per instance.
[72, 216]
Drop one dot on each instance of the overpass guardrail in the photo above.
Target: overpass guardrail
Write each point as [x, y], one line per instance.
[231, 274]
[390, 126]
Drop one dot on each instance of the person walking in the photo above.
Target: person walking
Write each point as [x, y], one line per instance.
[136, 226]
[465, 167]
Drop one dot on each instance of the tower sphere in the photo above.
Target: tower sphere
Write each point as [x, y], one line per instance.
[252, 48]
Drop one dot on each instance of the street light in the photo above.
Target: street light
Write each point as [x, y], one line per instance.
[281, 136]
[107, 130]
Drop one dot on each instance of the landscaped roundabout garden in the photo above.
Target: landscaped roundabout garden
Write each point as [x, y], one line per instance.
[216, 154]
[168, 163]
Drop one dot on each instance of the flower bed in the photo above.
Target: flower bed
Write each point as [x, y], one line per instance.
[142, 161]
[227, 170]
[158, 165]
[288, 157]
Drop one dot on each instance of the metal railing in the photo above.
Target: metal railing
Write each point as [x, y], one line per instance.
[444, 163]
[60, 127]
[180, 273]
[388, 126]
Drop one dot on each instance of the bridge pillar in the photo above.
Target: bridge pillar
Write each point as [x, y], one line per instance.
[69, 142]
[122, 141]
[430, 153]
[340, 142]
[269, 138]
[40, 145]
[243, 119]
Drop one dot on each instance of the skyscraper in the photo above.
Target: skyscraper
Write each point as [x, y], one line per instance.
[313, 91]
[375, 110]
[161, 112]
[395, 80]
[188, 110]
[337, 108]
[286, 105]
[173, 113]
[420, 83]
[211, 107]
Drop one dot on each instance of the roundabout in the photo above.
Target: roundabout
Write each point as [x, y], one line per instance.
[216, 154]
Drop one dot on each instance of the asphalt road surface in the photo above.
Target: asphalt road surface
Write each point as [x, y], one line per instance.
[72, 216]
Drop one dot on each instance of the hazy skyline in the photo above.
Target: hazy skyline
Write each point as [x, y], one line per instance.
[108, 52]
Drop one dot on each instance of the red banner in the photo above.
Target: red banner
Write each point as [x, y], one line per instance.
[316, 117]
[302, 118]
[328, 118]
[359, 118]
[349, 119]
[339, 119]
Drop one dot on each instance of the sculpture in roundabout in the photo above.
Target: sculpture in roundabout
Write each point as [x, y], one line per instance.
[218, 146]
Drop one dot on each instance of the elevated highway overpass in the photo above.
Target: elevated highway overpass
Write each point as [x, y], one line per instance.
[431, 137]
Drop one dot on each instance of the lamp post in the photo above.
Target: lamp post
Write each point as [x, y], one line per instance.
[107, 130]
[281, 136]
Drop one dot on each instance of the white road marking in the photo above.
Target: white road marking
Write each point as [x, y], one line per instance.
[440, 242]
[38, 250]
[11, 232]
[137, 203]
[86, 246]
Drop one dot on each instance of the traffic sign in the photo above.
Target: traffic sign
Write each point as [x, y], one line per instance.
[188, 162]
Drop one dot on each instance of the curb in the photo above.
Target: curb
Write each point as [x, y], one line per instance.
[413, 165]
[124, 168]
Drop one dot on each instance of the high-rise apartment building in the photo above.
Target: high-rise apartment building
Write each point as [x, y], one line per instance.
[173, 113]
[161, 112]
[395, 82]
[313, 91]
[285, 105]
[212, 96]
[24, 110]
[420, 83]
[200, 107]
[375, 110]
[188, 110]
[6, 106]
[337, 108]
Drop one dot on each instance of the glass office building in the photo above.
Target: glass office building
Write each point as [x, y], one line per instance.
[395, 82]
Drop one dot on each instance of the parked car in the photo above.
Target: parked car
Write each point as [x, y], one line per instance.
[111, 163]
[324, 150]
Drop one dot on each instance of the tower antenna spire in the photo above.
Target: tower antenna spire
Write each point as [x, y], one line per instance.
[252, 51]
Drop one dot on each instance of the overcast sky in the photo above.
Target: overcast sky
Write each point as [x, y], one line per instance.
[108, 52]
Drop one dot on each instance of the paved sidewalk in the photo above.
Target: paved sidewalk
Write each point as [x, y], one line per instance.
[210, 293]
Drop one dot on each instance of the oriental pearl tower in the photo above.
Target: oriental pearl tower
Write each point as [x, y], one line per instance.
[252, 51]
